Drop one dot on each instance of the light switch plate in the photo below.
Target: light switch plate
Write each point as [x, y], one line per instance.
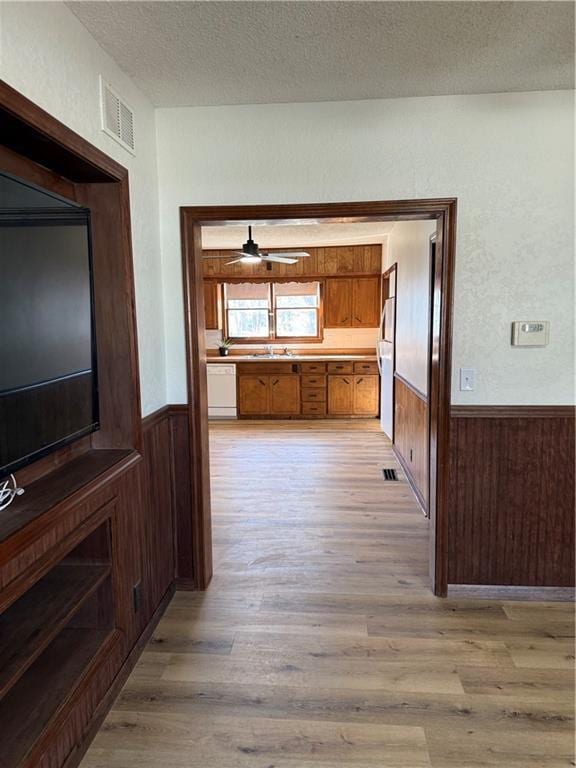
[467, 379]
[530, 333]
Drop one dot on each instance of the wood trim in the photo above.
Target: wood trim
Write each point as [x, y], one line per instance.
[443, 210]
[420, 395]
[413, 487]
[75, 757]
[380, 210]
[505, 592]
[513, 411]
[195, 334]
[76, 159]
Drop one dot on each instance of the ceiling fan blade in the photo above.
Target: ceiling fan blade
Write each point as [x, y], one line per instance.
[235, 261]
[290, 254]
[279, 259]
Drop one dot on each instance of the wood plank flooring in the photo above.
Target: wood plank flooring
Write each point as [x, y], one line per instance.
[319, 644]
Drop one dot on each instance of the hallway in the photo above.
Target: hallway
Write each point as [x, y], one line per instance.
[319, 644]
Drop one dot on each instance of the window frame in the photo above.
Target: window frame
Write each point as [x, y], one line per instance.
[273, 338]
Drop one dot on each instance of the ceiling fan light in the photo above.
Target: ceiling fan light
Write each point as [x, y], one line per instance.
[251, 259]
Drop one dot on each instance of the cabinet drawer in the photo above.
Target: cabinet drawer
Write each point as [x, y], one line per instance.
[366, 367]
[314, 409]
[309, 380]
[313, 367]
[341, 367]
[313, 395]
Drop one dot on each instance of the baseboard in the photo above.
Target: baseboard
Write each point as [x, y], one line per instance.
[505, 592]
[186, 585]
[75, 757]
[413, 487]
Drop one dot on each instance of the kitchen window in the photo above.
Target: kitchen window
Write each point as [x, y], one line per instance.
[275, 311]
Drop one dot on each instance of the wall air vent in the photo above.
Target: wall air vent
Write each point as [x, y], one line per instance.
[389, 474]
[117, 117]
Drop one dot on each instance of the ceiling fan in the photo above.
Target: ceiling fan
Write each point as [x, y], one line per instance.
[250, 254]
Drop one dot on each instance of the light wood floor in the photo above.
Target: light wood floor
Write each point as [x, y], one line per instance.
[319, 645]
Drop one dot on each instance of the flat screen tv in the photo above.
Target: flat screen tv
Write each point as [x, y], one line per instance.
[48, 372]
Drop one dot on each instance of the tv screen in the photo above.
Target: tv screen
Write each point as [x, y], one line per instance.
[48, 376]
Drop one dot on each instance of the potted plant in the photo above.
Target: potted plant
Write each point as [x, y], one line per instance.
[224, 347]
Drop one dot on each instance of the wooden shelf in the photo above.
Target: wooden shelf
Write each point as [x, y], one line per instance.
[50, 490]
[33, 621]
[27, 710]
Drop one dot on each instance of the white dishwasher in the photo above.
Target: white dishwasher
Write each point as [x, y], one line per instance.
[221, 391]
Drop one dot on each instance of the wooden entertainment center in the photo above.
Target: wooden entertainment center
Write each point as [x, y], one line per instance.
[88, 555]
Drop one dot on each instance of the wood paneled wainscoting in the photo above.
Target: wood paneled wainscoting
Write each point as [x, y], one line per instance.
[511, 511]
[411, 436]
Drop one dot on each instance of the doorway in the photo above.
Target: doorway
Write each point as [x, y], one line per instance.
[443, 211]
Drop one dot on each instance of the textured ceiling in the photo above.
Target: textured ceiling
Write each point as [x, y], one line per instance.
[209, 53]
[232, 236]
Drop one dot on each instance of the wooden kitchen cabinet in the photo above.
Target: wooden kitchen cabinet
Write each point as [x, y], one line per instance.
[352, 302]
[254, 395]
[366, 302]
[269, 395]
[366, 391]
[316, 389]
[211, 309]
[284, 395]
[353, 395]
[338, 303]
[340, 395]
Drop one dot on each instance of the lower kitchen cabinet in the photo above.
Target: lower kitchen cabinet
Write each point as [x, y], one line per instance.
[340, 389]
[366, 391]
[353, 395]
[269, 395]
[284, 395]
[341, 395]
[253, 395]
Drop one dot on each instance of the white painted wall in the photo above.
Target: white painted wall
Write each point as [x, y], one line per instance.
[409, 247]
[46, 54]
[508, 158]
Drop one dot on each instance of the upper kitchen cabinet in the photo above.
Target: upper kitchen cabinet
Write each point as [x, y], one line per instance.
[338, 303]
[211, 305]
[366, 302]
[352, 303]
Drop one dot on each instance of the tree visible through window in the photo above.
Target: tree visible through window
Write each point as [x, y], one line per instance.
[273, 311]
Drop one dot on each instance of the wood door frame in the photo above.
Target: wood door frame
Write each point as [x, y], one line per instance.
[192, 218]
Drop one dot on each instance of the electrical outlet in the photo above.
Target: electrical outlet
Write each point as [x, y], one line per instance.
[137, 596]
[467, 379]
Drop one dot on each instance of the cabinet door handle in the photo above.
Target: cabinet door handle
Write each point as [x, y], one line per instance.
[262, 382]
[357, 319]
[345, 381]
[312, 394]
[359, 381]
[345, 319]
[275, 382]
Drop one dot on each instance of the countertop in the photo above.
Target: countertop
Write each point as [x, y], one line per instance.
[286, 358]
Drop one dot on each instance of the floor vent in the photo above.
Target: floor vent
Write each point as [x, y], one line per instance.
[390, 474]
[117, 117]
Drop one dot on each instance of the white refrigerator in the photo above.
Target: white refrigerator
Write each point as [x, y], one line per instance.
[385, 354]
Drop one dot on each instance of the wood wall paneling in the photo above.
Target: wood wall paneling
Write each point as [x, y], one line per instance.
[411, 436]
[511, 513]
[332, 260]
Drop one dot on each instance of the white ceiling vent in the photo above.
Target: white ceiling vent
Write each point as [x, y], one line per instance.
[117, 117]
